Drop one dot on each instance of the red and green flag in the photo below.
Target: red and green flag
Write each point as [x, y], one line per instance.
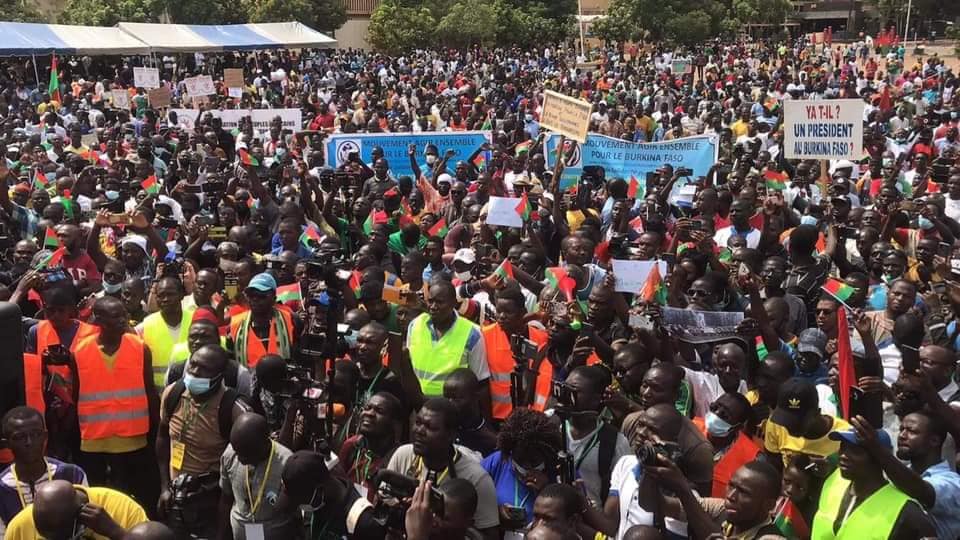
[376, 217]
[309, 236]
[67, 200]
[838, 289]
[725, 255]
[40, 180]
[289, 293]
[150, 185]
[440, 229]
[405, 213]
[505, 270]
[247, 159]
[523, 208]
[558, 278]
[354, 283]
[481, 162]
[761, 348]
[788, 518]
[52, 259]
[775, 180]
[522, 148]
[50, 239]
[654, 289]
[637, 224]
[53, 87]
[633, 188]
[771, 103]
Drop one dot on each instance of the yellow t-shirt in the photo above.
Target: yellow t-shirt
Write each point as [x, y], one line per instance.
[777, 440]
[739, 128]
[124, 510]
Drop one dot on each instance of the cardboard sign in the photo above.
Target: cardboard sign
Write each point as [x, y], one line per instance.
[235, 92]
[827, 129]
[233, 77]
[159, 97]
[201, 85]
[146, 77]
[566, 115]
[503, 211]
[632, 275]
[681, 67]
[120, 99]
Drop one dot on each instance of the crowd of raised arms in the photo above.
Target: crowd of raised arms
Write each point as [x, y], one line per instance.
[246, 329]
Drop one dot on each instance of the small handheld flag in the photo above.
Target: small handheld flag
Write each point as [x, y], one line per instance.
[522, 148]
[523, 208]
[247, 159]
[309, 235]
[558, 278]
[505, 270]
[839, 290]
[439, 230]
[776, 181]
[761, 348]
[50, 239]
[150, 185]
[289, 293]
[654, 290]
[633, 188]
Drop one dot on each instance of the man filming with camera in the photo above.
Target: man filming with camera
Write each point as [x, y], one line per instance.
[196, 416]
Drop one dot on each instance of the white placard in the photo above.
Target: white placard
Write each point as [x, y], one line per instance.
[292, 119]
[632, 275]
[503, 211]
[146, 77]
[201, 85]
[827, 129]
[235, 92]
[120, 99]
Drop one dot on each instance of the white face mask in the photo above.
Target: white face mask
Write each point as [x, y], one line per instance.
[431, 159]
[464, 276]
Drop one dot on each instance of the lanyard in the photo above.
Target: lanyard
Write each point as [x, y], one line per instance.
[362, 453]
[189, 420]
[255, 503]
[589, 446]
[516, 494]
[16, 482]
[444, 472]
[369, 391]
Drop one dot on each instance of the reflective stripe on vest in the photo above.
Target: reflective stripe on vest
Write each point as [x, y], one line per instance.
[874, 518]
[255, 350]
[112, 401]
[544, 386]
[500, 359]
[434, 361]
[33, 382]
[156, 334]
[47, 336]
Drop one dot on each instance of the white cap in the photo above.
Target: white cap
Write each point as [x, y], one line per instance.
[445, 178]
[466, 255]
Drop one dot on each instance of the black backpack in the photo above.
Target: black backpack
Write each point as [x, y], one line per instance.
[225, 414]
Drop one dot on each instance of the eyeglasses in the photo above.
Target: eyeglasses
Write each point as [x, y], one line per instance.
[697, 292]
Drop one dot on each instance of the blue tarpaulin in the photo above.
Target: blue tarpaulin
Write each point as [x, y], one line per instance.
[24, 39]
[232, 37]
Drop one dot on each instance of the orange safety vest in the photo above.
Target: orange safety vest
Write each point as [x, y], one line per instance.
[743, 450]
[47, 336]
[255, 350]
[33, 382]
[113, 401]
[544, 387]
[501, 362]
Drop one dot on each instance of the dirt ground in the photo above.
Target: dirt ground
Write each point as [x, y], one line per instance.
[943, 50]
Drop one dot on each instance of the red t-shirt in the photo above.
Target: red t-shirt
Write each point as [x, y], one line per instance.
[82, 267]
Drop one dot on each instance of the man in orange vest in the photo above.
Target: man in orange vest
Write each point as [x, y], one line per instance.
[117, 406]
[724, 427]
[265, 328]
[48, 384]
[501, 353]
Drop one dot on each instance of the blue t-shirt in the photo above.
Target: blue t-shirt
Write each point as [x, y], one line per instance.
[510, 489]
[11, 503]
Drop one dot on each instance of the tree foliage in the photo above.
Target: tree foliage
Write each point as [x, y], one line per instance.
[19, 11]
[401, 25]
[107, 12]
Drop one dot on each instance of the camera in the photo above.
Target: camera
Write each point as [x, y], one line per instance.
[647, 453]
[393, 489]
[523, 348]
[56, 355]
[172, 267]
[848, 232]
[298, 383]
[683, 171]
[563, 394]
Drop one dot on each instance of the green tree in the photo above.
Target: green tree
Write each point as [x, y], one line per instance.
[618, 25]
[691, 28]
[469, 22]
[107, 12]
[19, 11]
[396, 28]
[324, 15]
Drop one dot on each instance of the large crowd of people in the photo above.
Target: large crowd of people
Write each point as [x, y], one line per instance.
[229, 333]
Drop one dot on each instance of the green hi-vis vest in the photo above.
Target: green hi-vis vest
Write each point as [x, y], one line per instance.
[434, 361]
[156, 334]
[872, 520]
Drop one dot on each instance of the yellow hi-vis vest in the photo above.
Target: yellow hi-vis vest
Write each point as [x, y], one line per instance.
[156, 334]
[872, 520]
[434, 361]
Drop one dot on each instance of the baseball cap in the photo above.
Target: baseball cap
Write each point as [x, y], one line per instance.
[263, 282]
[136, 240]
[850, 436]
[813, 340]
[445, 178]
[797, 398]
[466, 255]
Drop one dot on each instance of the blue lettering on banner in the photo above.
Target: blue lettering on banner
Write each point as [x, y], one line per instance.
[395, 145]
[621, 159]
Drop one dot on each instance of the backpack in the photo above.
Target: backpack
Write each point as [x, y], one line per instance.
[224, 415]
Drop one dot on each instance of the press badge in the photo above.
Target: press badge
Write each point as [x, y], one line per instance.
[176, 455]
[253, 531]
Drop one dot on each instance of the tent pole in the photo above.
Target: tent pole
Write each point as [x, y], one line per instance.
[35, 72]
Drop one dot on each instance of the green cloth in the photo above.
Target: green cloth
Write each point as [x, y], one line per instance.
[396, 245]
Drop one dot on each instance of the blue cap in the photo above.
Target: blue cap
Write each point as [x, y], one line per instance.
[850, 436]
[263, 282]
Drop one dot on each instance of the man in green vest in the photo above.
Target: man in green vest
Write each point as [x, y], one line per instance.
[858, 503]
[167, 328]
[440, 341]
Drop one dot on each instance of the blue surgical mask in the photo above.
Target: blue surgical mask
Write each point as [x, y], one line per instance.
[198, 386]
[351, 340]
[112, 288]
[112, 195]
[808, 220]
[924, 223]
[716, 426]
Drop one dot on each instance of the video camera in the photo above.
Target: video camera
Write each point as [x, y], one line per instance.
[647, 453]
[298, 383]
[56, 355]
[394, 490]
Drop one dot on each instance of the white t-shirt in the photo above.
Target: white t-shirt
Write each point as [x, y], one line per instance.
[625, 484]
[723, 235]
[706, 389]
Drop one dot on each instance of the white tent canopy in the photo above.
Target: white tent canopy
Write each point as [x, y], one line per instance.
[24, 39]
[235, 37]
